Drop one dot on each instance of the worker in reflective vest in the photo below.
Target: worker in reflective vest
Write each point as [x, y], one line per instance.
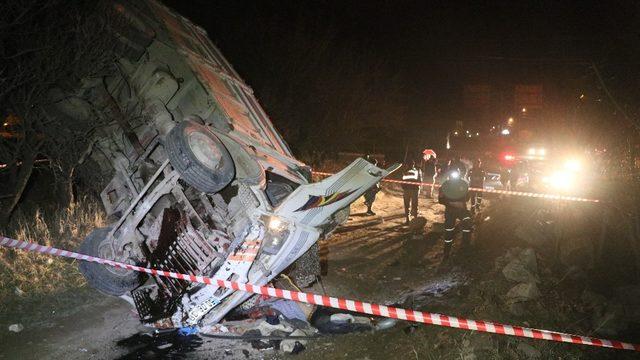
[411, 191]
[454, 195]
[476, 180]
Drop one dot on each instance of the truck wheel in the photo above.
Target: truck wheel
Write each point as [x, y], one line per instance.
[199, 156]
[108, 280]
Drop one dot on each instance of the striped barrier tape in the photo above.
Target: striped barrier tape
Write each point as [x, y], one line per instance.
[493, 191]
[338, 303]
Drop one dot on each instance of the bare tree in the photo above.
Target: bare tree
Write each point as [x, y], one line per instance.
[52, 56]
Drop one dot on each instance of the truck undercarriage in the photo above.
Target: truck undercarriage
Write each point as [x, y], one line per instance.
[202, 183]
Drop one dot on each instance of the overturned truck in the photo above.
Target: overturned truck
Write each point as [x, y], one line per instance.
[202, 182]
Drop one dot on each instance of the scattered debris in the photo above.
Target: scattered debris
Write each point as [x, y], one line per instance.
[264, 345]
[294, 346]
[332, 322]
[295, 349]
[289, 309]
[16, 328]
[386, 323]
[266, 328]
[341, 318]
[187, 331]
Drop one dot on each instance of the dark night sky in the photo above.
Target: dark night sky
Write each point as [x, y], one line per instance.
[425, 52]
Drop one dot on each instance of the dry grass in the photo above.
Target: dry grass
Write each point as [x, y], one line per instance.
[28, 276]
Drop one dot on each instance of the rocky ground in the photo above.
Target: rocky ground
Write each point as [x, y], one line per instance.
[515, 273]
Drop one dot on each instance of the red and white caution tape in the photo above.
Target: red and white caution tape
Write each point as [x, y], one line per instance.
[493, 191]
[343, 304]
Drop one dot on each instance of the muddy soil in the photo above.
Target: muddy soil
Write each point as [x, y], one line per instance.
[372, 258]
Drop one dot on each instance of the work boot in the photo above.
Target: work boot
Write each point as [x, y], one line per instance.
[370, 213]
[407, 220]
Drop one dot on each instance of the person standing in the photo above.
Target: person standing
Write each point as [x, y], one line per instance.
[429, 170]
[476, 180]
[370, 194]
[440, 170]
[454, 195]
[410, 192]
[456, 165]
[505, 178]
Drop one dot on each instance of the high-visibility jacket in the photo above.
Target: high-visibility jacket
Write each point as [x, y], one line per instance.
[413, 174]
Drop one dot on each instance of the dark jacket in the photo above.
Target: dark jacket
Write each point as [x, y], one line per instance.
[476, 177]
[458, 166]
[455, 193]
[429, 168]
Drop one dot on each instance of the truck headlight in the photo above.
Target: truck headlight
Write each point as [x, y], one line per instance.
[573, 165]
[274, 223]
[563, 180]
[278, 231]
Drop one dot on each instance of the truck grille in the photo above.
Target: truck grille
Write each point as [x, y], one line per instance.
[181, 248]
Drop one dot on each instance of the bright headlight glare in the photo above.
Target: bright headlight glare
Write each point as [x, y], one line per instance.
[562, 180]
[542, 152]
[274, 223]
[532, 151]
[573, 165]
[276, 234]
[455, 175]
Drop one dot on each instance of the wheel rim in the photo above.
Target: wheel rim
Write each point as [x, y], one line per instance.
[205, 149]
[104, 252]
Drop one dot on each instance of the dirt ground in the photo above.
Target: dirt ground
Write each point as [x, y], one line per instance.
[370, 258]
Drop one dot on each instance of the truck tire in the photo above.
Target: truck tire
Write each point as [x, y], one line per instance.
[113, 282]
[199, 156]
